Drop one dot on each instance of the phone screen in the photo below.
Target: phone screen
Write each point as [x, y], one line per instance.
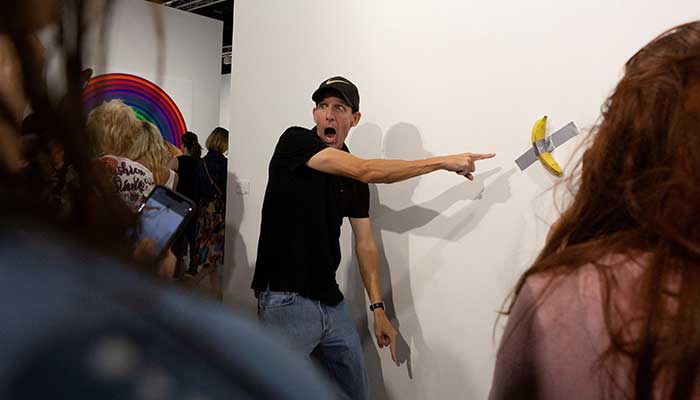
[161, 216]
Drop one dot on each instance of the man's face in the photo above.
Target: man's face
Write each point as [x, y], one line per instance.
[334, 118]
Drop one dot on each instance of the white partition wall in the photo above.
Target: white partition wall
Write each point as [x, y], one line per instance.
[434, 77]
[188, 53]
[224, 104]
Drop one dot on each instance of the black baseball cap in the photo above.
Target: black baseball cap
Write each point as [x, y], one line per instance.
[338, 85]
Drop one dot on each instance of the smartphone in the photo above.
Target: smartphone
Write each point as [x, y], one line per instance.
[163, 217]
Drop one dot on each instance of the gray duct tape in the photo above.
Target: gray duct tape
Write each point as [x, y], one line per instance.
[526, 159]
[561, 136]
[543, 146]
[547, 144]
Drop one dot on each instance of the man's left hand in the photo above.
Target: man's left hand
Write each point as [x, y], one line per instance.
[385, 332]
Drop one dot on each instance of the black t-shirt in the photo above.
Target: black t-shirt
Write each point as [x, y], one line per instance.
[303, 209]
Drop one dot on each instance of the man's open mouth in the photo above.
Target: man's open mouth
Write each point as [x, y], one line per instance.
[329, 132]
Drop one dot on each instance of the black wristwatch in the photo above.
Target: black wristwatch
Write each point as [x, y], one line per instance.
[374, 306]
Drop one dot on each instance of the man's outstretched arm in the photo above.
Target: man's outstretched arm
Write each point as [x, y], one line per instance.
[338, 162]
[368, 262]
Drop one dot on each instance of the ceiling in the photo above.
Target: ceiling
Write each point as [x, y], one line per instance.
[221, 10]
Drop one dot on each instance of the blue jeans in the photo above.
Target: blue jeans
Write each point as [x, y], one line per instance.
[327, 331]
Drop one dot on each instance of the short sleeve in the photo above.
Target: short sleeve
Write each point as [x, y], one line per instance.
[357, 199]
[296, 146]
[359, 205]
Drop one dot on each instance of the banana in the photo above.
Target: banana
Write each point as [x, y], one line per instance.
[539, 130]
[550, 163]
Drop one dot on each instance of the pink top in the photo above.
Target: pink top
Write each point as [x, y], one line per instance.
[551, 351]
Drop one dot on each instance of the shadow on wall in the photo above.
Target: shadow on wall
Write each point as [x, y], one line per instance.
[434, 366]
[237, 272]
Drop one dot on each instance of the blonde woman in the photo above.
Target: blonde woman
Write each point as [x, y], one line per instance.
[150, 149]
[173, 151]
[113, 128]
[211, 192]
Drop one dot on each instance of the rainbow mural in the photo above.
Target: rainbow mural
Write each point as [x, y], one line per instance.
[149, 101]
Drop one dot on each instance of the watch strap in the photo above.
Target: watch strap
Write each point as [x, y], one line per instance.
[376, 305]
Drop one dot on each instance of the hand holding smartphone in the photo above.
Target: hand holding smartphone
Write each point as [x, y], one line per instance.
[162, 218]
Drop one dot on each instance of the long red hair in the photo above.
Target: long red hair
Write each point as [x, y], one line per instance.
[637, 191]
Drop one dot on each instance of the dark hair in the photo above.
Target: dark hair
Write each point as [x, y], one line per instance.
[191, 143]
[98, 217]
[637, 193]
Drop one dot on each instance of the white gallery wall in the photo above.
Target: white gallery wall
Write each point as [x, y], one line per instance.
[434, 77]
[224, 101]
[185, 61]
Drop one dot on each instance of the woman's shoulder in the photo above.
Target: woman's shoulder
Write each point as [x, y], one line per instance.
[124, 166]
[170, 182]
[215, 156]
[623, 267]
[215, 160]
[556, 294]
[187, 163]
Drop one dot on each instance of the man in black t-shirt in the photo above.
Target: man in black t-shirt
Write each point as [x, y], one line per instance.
[314, 182]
